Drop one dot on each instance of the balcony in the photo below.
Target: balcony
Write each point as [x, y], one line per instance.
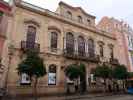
[114, 61]
[30, 46]
[85, 56]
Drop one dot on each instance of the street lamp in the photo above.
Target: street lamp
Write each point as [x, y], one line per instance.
[10, 54]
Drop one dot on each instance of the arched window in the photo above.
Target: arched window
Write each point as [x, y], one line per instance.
[31, 36]
[69, 43]
[80, 19]
[101, 50]
[52, 75]
[81, 46]
[69, 15]
[91, 48]
[54, 40]
[111, 51]
[88, 21]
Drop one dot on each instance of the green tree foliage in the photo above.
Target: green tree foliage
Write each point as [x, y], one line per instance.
[72, 71]
[103, 71]
[120, 72]
[130, 74]
[33, 66]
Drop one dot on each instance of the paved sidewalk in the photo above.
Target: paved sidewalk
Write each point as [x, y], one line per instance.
[63, 97]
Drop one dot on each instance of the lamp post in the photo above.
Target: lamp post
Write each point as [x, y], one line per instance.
[10, 54]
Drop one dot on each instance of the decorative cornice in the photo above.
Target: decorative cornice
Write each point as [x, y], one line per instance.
[76, 8]
[54, 28]
[48, 13]
[31, 21]
[101, 43]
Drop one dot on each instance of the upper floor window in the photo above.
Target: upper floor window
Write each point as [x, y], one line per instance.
[91, 48]
[88, 21]
[69, 15]
[54, 40]
[111, 51]
[52, 75]
[31, 36]
[101, 50]
[70, 43]
[80, 20]
[81, 46]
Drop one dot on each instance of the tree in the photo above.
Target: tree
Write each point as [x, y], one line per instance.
[130, 75]
[120, 73]
[33, 66]
[103, 71]
[72, 71]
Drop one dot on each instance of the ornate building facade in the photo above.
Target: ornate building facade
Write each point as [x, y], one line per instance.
[5, 10]
[124, 35]
[67, 36]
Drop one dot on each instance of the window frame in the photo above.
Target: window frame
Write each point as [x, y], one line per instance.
[23, 79]
[52, 41]
[70, 43]
[80, 19]
[69, 14]
[52, 74]
[81, 46]
[91, 48]
[31, 37]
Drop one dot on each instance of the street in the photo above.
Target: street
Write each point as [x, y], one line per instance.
[79, 97]
[116, 97]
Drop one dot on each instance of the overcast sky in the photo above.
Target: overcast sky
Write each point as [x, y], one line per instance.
[120, 9]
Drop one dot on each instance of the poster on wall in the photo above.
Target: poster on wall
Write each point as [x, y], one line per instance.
[25, 79]
[52, 78]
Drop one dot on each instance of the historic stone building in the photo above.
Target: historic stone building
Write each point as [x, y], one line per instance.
[4, 16]
[64, 37]
[124, 35]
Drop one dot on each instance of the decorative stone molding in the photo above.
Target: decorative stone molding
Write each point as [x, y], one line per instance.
[32, 21]
[54, 28]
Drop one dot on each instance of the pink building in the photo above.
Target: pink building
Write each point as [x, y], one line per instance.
[116, 27]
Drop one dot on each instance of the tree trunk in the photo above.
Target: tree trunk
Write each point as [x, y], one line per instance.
[104, 85]
[35, 88]
[123, 85]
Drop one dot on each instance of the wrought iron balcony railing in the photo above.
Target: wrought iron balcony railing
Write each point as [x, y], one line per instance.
[114, 61]
[79, 56]
[25, 45]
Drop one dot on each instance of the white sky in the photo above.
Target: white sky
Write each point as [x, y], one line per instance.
[120, 9]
